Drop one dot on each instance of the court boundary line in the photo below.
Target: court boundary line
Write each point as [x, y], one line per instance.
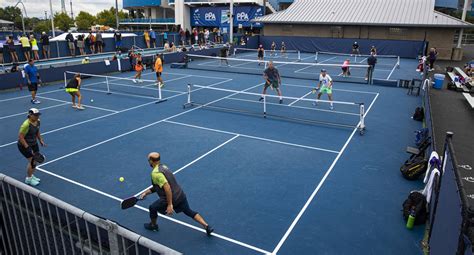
[320, 184]
[196, 160]
[225, 238]
[393, 70]
[41, 109]
[110, 114]
[88, 106]
[303, 96]
[345, 90]
[252, 137]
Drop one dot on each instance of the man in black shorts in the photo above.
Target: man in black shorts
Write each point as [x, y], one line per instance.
[355, 49]
[371, 61]
[28, 138]
[260, 54]
[223, 54]
[33, 79]
[272, 80]
[171, 197]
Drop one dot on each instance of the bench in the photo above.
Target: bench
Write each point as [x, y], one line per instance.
[461, 72]
[470, 99]
[459, 86]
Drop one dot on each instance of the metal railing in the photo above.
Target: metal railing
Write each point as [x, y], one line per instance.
[33, 222]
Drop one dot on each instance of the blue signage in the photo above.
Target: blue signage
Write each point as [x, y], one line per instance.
[219, 16]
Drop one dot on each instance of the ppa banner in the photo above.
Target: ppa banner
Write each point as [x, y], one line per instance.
[219, 16]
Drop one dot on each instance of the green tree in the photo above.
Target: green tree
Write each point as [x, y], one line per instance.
[11, 13]
[42, 26]
[107, 17]
[84, 20]
[63, 21]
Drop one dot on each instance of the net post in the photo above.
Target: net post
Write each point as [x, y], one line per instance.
[299, 55]
[159, 91]
[362, 118]
[190, 86]
[264, 105]
[398, 61]
[235, 52]
[264, 53]
[316, 57]
[65, 79]
[108, 85]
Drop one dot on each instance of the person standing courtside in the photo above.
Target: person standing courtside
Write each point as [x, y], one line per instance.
[159, 69]
[33, 78]
[28, 138]
[171, 197]
[25, 46]
[45, 45]
[272, 80]
[70, 43]
[371, 61]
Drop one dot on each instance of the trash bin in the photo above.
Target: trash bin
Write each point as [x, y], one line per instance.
[438, 81]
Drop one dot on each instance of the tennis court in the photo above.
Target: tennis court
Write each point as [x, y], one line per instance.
[302, 179]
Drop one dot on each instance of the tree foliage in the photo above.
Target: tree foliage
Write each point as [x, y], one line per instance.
[63, 21]
[85, 20]
[42, 26]
[107, 17]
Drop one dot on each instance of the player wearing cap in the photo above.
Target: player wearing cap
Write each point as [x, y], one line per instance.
[272, 80]
[171, 197]
[355, 49]
[260, 54]
[324, 87]
[73, 88]
[272, 49]
[28, 138]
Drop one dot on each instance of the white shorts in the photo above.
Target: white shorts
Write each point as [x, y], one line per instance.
[35, 47]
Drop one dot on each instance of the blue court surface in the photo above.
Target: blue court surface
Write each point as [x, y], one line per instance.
[267, 185]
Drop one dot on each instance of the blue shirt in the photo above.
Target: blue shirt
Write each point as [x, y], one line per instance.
[153, 35]
[32, 72]
[165, 35]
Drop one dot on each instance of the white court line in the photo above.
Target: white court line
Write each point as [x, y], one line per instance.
[20, 97]
[140, 128]
[305, 95]
[294, 61]
[388, 78]
[88, 106]
[145, 87]
[24, 113]
[345, 90]
[93, 119]
[195, 160]
[299, 70]
[146, 210]
[170, 80]
[320, 184]
[363, 60]
[252, 137]
[294, 106]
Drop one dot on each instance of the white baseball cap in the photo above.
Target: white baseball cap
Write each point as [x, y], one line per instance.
[34, 111]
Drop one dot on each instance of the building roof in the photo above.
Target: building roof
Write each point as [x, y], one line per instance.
[5, 22]
[364, 12]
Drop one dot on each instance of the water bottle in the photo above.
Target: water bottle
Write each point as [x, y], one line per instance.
[411, 218]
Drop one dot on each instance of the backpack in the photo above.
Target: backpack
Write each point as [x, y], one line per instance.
[419, 114]
[421, 136]
[413, 168]
[417, 201]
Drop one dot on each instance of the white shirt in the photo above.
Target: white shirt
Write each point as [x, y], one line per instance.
[325, 81]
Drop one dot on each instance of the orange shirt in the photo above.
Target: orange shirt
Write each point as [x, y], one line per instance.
[158, 65]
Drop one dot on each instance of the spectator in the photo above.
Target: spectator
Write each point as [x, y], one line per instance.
[34, 47]
[25, 46]
[242, 41]
[206, 35]
[165, 37]
[219, 38]
[91, 42]
[146, 36]
[80, 43]
[214, 34]
[118, 40]
[153, 38]
[99, 42]
[201, 36]
[70, 43]
[45, 45]
[432, 58]
[172, 47]
[182, 36]
[195, 34]
[11, 48]
[167, 47]
[14, 68]
[373, 51]
[187, 34]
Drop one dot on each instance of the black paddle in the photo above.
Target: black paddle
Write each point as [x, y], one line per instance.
[38, 157]
[129, 202]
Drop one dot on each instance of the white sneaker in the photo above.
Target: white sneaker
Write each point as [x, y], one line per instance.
[331, 107]
[74, 106]
[35, 178]
[81, 107]
[31, 181]
[134, 81]
[140, 81]
[315, 103]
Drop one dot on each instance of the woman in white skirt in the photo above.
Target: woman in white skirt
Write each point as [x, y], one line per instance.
[80, 43]
[34, 46]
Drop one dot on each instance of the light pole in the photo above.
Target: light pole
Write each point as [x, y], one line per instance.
[52, 25]
[231, 22]
[463, 18]
[22, 16]
[116, 15]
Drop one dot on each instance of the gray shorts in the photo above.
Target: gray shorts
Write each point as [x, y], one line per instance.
[46, 47]
[71, 45]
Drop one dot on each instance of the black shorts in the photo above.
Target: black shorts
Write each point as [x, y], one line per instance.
[98, 43]
[153, 40]
[182, 206]
[344, 69]
[27, 153]
[260, 54]
[26, 49]
[33, 86]
[158, 74]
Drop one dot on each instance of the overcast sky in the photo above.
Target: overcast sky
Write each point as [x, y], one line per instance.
[36, 8]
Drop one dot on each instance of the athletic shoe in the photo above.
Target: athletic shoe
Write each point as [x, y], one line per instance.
[162, 85]
[260, 99]
[281, 101]
[151, 227]
[209, 230]
[134, 81]
[81, 107]
[366, 79]
[331, 107]
[35, 178]
[315, 103]
[31, 181]
[140, 80]
[74, 106]
[36, 101]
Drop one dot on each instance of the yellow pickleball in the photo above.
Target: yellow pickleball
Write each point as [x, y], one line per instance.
[121, 179]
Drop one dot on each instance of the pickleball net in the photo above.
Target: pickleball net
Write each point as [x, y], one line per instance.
[305, 109]
[128, 87]
[334, 57]
[294, 55]
[287, 69]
